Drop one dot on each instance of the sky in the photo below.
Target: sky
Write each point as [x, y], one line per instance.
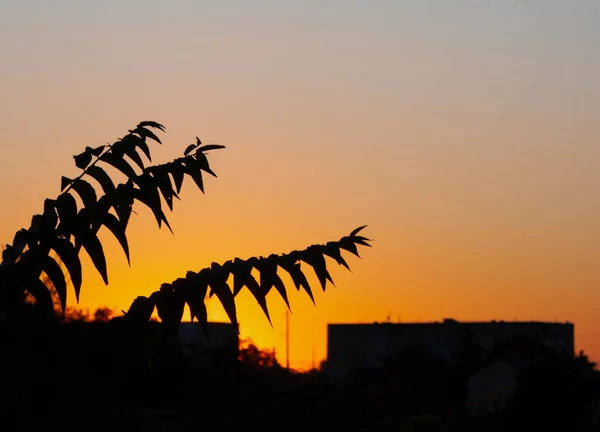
[465, 134]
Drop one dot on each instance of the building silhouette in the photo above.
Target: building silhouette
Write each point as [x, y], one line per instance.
[351, 346]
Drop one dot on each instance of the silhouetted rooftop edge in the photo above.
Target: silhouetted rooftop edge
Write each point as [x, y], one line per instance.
[451, 322]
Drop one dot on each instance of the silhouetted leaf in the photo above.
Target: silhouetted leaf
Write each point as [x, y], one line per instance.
[56, 276]
[119, 163]
[67, 211]
[210, 147]
[189, 149]
[98, 212]
[69, 257]
[111, 222]
[198, 282]
[242, 276]
[240, 270]
[280, 287]
[163, 180]
[218, 285]
[123, 202]
[314, 257]
[269, 277]
[348, 244]
[65, 182]
[131, 142]
[148, 195]
[151, 124]
[203, 163]
[259, 294]
[357, 230]
[193, 169]
[85, 237]
[135, 157]
[177, 170]
[86, 191]
[102, 178]
[82, 160]
[295, 271]
[146, 133]
[332, 250]
[198, 142]
[361, 241]
[225, 296]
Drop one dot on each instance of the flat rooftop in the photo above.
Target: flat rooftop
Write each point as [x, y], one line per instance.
[450, 322]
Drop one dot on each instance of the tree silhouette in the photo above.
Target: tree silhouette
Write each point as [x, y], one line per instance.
[253, 357]
[43, 260]
[555, 394]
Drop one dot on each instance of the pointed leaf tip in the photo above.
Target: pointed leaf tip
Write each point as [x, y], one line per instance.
[357, 230]
[84, 236]
[314, 257]
[151, 124]
[146, 133]
[111, 222]
[210, 147]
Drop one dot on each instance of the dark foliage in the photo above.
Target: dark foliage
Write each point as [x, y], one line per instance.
[43, 261]
[171, 299]
[95, 375]
[42, 258]
[555, 394]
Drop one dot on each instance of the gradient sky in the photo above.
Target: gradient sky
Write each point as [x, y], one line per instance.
[464, 133]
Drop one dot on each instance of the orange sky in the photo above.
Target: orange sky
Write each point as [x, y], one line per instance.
[467, 138]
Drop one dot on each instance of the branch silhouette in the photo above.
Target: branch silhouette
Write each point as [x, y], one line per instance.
[39, 259]
[56, 236]
[171, 298]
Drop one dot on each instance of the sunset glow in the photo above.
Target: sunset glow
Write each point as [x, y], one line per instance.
[466, 137]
